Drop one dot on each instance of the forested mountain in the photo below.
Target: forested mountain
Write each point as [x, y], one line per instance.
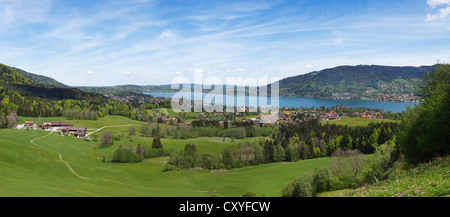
[113, 90]
[40, 79]
[354, 81]
[26, 97]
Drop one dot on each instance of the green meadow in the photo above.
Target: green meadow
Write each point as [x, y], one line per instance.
[29, 169]
[358, 121]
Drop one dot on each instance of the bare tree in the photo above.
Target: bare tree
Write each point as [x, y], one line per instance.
[131, 131]
[347, 162]
[38, 123]
[106, 139]
[12, 119]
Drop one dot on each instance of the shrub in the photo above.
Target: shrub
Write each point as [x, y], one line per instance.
[302, 186]
[377, 166]
[322, 179]
[168, 167]
[250, 194]
[186, 158]
[125, 155]
[152, 153]
[208, 160]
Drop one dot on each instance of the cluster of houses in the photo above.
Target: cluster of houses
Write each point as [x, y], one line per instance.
[369, 114]
[397, 98]
[169, 120]
[141, 99]
[303, 115]
[65, 128]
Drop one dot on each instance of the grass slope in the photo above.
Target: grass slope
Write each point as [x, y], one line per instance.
[352, 122]
[30, 170]
[425, 180]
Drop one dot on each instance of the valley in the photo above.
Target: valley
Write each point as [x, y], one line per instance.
[35, 169]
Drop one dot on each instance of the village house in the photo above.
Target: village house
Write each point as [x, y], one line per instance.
[54, 125]
[29, 124]
[79, 132]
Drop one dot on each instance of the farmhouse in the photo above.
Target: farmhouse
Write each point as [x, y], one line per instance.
[79, 132]
[50, 125]
[29, 124]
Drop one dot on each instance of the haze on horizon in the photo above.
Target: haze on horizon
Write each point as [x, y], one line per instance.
[146, 42]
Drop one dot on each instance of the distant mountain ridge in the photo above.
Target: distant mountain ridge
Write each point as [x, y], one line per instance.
[355, 81]
[358, 82]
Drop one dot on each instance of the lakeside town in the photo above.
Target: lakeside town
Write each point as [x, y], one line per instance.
[153, 107]
[286, 115]
[391, 97]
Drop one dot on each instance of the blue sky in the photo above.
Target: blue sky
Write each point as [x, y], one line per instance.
[112, 42]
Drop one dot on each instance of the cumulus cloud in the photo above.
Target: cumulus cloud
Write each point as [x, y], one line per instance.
[435, 3]
[443, 12]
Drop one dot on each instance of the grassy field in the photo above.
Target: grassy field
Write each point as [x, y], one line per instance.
[425, 180]
[35, 170]
[357, 121]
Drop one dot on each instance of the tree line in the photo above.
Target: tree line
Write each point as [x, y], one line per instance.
[185, 131]
[291, 143]
[125, 153]
[421, 136]
[347, 169]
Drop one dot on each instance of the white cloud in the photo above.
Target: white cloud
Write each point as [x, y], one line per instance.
[309, 66]
[167, 34]
[17, 12]
[442, 12]
[90, 72]
[129, 73]
[176, 73]
[435, 3]
[197, 70]
[339, 40]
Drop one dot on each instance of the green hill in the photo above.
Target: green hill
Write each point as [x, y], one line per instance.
[35, 170]
[28, 96]
[40, 79]
[355, 81]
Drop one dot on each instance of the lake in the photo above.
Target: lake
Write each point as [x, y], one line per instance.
[240, 100]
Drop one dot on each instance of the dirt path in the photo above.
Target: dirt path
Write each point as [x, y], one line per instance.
[108, 180]
[59, 154]
[101, 128]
